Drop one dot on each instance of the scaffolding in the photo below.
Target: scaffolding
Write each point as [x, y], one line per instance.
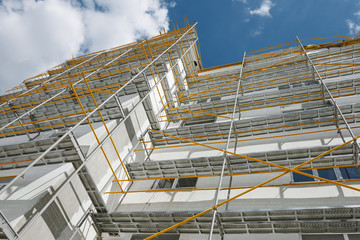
[287, 91]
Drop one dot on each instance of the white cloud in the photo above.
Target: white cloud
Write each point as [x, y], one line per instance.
[257, 31]
[37, 35]
[172, 4]
[353, 27]
[243, 1]
[264, 9]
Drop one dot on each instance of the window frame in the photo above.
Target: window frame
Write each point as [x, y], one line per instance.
[174, 183]
[341, 173]
[306, 171]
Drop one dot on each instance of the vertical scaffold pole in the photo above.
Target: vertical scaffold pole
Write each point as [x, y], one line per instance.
[336, 106]
[226, 159]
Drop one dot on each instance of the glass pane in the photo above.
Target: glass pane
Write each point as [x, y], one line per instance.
[5, 180]
[327, 173]
[349, 173]
[344, 173]
[302, 178]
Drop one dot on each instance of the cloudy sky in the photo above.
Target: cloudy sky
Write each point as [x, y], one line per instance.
[38, 34]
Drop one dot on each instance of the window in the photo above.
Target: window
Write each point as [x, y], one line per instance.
[349, 173]
[327, 173]
[311, 82]
[354, 236]
[186, 182]
[163, 184]
[301, 178]
[201, 120]
[5, 180]
[323, 237]
[175, 183]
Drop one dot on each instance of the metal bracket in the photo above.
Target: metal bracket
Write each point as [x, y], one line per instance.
[7, 229]
[218, 222]
[22, 124]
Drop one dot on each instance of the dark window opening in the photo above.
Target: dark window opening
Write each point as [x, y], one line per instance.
[201, 120]
[175, 183]
[327, 173]
[5, 181]
[311, 82]
[354, 236]
[186, 183]
[163, 184]
[302, 178]
[323, 237]
[282, 87]
[350, 173]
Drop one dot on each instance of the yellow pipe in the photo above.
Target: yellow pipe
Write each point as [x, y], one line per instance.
[246, 75]
[251, 139]
[256, 130]
[161, 83]
[276, 99]
[232, 188]
[173, 69]
[97, 139]
[264, 162]
[157, 88]
[257, 186]
[235, 174]
[107, 130]
[200, 112]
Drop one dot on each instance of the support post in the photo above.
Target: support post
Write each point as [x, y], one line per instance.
[226, 161]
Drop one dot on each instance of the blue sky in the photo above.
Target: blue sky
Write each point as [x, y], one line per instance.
[36, 35]
[227, 28]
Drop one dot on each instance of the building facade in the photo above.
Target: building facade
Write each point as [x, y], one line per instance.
[142, 142]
